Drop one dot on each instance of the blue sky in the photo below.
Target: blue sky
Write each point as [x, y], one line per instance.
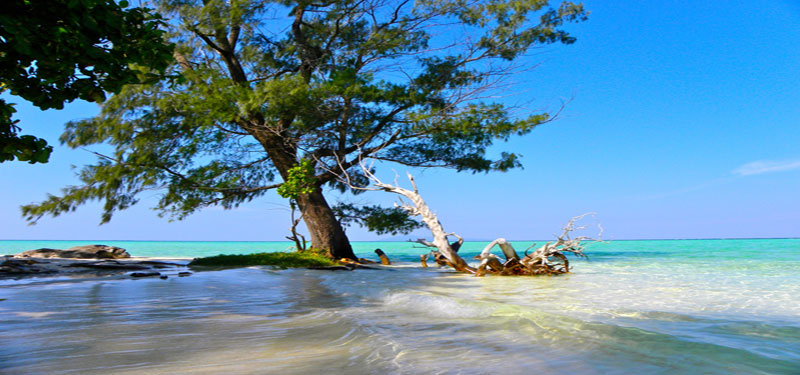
[682, 121]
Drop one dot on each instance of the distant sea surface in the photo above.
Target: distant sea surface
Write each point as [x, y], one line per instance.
[634, 307]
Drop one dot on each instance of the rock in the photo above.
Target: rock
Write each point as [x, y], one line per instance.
[40, 253]
[110, 266]
[184, 274]
[145, 274]
[23, 266]
[101, 251]
[164, 277]
[79, 252]
[160, 265]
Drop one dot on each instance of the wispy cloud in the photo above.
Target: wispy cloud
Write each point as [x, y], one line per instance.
[766, 166]
[753, 168]
[670, 193]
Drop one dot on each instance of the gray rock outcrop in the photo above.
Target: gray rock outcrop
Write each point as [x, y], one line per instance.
[88, 260]
[16, 267]
[78, 252]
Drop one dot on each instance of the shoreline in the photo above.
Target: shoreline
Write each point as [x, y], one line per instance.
[297, 321]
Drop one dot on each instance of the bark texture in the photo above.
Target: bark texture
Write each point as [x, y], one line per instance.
[325, 230]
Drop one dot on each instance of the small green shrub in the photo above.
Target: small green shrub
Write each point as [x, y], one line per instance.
[280, 259]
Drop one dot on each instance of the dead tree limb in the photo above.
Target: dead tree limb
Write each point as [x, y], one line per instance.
[551, 258]
[418, 207]
[548, 259]
[299, 240]
[508, 250]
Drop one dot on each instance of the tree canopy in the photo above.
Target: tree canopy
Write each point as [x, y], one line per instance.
[56, 51]
[299, 93]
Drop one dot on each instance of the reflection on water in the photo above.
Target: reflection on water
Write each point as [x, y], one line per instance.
[632, 316]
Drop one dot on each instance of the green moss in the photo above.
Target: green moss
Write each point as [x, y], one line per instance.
[281, 259]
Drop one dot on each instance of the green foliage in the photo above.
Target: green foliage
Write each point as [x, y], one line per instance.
[23, 148]
[306, 91]
[380, 220]
[56, 51]
[300, 180]
[285, 260]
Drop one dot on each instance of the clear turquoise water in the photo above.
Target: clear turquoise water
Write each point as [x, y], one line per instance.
[653, 307]
[721, 250]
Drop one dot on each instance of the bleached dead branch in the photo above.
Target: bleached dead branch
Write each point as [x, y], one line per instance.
[548, 259]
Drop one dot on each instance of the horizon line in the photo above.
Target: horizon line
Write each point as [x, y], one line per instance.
[467, 240]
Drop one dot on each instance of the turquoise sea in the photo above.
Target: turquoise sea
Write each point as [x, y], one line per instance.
[634, 307]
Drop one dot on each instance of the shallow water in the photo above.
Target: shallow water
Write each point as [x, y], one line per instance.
[664, 307]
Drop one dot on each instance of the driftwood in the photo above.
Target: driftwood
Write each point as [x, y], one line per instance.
[549, 259]
[384, 259]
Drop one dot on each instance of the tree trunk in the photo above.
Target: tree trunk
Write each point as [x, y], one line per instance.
[326, 232]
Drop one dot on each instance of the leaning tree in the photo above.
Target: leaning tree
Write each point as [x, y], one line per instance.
[288, 95]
